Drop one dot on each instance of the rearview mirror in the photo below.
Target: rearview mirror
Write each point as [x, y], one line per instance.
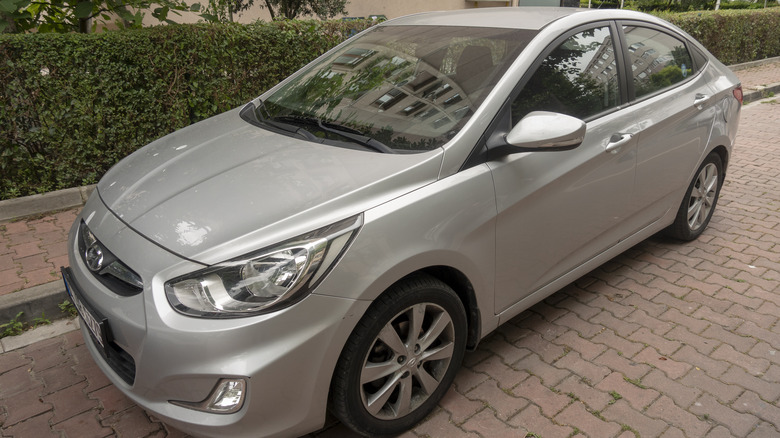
[542, 130]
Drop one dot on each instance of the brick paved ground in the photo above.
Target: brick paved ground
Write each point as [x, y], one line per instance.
[32, 250]
[668, 339]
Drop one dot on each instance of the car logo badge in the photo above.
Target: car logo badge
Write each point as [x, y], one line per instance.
[94, 258]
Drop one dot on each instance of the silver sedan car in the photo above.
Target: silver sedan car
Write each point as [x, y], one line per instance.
[337, 244]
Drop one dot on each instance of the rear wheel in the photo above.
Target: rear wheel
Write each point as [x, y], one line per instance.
[401, 358]
[700, 200]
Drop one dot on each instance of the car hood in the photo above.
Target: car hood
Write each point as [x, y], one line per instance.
[223, 187]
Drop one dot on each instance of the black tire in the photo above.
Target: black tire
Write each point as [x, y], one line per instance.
[416, 370]
[700, 200]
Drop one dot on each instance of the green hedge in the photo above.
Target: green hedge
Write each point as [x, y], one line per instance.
[733, 36]
[73, 104]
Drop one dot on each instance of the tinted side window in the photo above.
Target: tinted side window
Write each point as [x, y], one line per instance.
[658, 60]
[578, 78]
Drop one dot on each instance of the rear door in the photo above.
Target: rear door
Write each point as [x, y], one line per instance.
[674, 112]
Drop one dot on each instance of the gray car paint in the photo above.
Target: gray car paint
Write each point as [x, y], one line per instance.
[420, 211]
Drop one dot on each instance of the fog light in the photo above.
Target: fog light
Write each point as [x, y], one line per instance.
[227, 397]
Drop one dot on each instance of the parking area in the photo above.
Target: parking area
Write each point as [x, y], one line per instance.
[668, 339]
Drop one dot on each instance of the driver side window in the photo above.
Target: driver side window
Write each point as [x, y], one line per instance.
[578, 78]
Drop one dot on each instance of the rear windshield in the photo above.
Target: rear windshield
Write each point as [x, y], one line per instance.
[409, 87]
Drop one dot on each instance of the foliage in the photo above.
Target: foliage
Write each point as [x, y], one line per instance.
[74, 104]
[16, 327]
[733, 36]
[291, 9]
[224, 10]
[676, 5]
[67, 308]
[13, 327]
[82, 15]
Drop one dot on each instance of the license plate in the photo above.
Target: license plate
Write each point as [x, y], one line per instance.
[98, 326]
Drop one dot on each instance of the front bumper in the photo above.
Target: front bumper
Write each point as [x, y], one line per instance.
[286, 357]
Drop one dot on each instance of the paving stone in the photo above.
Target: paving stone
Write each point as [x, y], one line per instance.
[752, 365]
[486, 424]
[701, 344]
[722, 391]
[466, 380]
[22, 407]
[672, 368]
[638, 397]
[616, 362]
[738, 423]
[11, 360]
[682, 395]
[37, 427]
[534, 342]
[737, 376]
[506, 376]
[17, 380]
[532, 420]
[459, 406]
[504, 404]
[622, 413]
[508, 353]
[649, 323]
[437, 425]
[534, 391]
[576, 388]
[549, 374]
[84, 425]
[665, 409]
[575, 363]
[750, 403]
[765, 430]
[132, 422]
[575, 415]
[69, 402]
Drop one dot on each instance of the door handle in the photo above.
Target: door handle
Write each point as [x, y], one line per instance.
[617, 141]
[700, 100]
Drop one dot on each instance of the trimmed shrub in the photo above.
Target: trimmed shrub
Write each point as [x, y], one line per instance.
[74, 104]
[733, 36]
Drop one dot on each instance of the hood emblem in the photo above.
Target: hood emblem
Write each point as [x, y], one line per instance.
[94, 258]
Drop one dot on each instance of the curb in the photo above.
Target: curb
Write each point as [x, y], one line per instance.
[17, 208]
[751, 64]
[759, 93]
[36, 301]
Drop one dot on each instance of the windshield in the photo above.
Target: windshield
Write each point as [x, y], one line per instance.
[410, 88]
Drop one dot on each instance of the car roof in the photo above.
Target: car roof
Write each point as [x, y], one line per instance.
[525, 17]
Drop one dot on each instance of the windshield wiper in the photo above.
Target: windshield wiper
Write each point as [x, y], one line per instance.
[254, 115]
[343, 131]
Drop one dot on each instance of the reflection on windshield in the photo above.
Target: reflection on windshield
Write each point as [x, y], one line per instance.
[409, 87]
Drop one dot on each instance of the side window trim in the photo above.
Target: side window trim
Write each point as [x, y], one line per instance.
[632, 99]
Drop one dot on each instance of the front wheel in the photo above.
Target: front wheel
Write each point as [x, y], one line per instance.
[401, 358]
[700, 200]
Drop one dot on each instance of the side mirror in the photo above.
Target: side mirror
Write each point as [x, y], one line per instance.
[542, 130]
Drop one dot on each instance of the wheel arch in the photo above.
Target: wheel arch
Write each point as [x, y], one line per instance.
[723, 153]
[459, 283]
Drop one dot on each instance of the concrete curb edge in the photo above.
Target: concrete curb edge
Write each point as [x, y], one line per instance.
[37, 301]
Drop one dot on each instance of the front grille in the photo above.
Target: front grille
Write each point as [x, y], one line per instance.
[110, 270]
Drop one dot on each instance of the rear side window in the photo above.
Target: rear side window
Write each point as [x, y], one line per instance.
[658, 60]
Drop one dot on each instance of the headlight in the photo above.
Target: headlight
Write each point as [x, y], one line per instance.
[265, 280]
